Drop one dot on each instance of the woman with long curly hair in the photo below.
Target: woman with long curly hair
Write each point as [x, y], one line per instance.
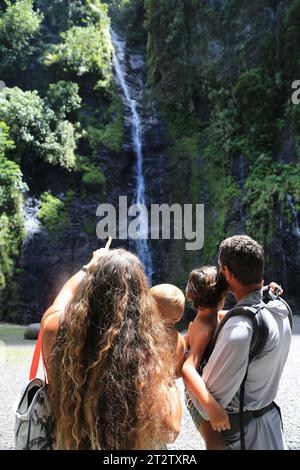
[108, 360]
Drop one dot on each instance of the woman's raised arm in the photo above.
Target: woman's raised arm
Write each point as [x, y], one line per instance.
[50, 320]
[68, 291]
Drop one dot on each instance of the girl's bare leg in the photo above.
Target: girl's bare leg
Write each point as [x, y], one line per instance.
[213, 439]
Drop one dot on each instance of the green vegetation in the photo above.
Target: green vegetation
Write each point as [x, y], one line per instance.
[35, 129]
[224, 94]
[221, 186]
[84, 50]
[222, 83]
[92, 174]
[11, 333]
[291, 41]
[63, 97]
[94, 177]
[169, 68]
[295, 118]
[11, 209]
[256, 100]
[267, 185]
[129, 15]
[110, 133]
[19, 24]
[109, 137]
[53, 212]
[59, 102]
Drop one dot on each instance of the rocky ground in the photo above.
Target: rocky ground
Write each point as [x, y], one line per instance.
[15, 357]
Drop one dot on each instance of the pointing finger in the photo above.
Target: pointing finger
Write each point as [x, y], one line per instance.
[108, 244]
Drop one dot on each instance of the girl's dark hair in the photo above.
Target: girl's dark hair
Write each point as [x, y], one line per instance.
[206, 287]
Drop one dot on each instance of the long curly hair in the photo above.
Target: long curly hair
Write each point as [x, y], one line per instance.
[111, 365]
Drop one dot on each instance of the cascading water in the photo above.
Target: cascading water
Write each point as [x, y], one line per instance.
[31, 221]
[131, 104]
[296, 228]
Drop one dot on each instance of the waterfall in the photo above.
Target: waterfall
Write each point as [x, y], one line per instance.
[131, 104]
[296, 228]
[31, 221]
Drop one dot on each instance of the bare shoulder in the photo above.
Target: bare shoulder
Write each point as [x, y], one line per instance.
[200, 334]
[202, 327]
[50, 325]
[55, 311]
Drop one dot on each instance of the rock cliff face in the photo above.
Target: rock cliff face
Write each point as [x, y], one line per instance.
[227, 68]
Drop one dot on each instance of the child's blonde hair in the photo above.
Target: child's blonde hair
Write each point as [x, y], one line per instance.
[169, 299]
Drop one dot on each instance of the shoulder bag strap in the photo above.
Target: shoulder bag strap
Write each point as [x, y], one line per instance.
[37, 352]
[36, 355]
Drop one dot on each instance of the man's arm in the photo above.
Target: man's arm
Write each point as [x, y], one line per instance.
[227, 365]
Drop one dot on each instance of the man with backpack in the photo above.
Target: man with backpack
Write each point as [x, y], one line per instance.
[250, 348]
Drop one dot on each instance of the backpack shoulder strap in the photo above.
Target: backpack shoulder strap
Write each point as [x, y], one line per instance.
[268, 295]
[260, 330]
[291, 317]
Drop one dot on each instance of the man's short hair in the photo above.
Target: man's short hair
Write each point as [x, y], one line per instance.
[244, 258]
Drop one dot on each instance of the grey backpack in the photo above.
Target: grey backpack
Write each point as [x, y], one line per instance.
[33, 415]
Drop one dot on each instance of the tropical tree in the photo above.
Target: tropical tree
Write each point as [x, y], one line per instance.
[19, 25]
[35, 128]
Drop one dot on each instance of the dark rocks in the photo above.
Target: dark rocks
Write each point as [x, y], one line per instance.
[32, 331]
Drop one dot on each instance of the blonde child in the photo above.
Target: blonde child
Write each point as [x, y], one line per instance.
[170, 302]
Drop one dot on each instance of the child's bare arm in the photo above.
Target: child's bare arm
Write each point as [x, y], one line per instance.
[180, 354]
[218, 416]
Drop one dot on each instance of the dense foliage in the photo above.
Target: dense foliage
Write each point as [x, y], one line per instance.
[83, 50]
[11, 208]
[224, 82]
[53, 211]
[35, 129]
[63, 98]
[129, 16]
[59, 103]
[19, 24]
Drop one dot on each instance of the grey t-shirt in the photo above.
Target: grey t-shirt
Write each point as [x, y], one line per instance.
[227, 365]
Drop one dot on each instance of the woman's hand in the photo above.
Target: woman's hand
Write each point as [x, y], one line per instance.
[97, 254]
[218, 418]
